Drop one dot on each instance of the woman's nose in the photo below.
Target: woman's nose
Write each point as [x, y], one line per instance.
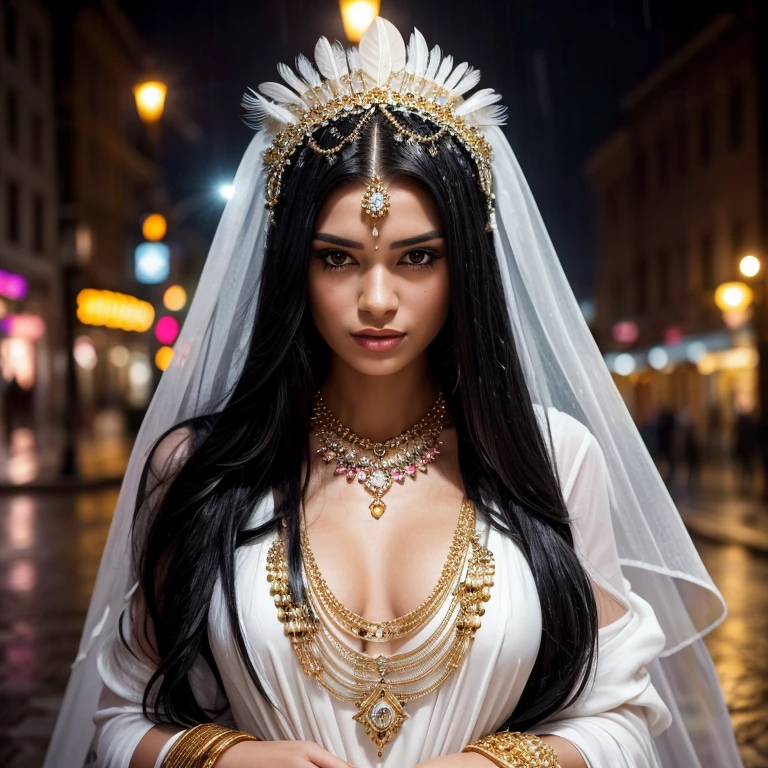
[378, 295]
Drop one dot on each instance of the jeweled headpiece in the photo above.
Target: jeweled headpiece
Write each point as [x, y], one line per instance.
[380, 76]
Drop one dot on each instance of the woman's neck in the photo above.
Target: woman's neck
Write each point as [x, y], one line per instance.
[379, 407]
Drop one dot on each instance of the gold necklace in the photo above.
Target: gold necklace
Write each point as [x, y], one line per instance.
[374, 464]
[381, 686]
[396, 629]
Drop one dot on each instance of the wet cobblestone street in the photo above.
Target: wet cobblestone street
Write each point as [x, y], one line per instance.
[50, 545]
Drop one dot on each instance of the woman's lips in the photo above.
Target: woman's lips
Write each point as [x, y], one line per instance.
[378, 343]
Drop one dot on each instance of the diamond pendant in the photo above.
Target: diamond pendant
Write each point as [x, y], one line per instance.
[382, 715]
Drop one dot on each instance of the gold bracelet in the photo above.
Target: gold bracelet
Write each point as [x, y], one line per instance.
[508, 749]
[192, 744]
[201, 746]
[223, 744]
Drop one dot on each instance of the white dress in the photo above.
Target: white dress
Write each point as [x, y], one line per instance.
[612, 723]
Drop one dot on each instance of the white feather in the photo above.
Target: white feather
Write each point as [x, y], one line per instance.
[292, 79]
[282, 95]
[456, 75]
[325, 58]
[341, 58]
[495, 115]
[419, 52]
[434, 63]
[445, 67]
[258, 111]
[382, 51]
[353, 57]
[483, 98]
[467, 83]
[307, 71]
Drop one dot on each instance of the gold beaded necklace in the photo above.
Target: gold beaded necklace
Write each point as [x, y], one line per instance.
[381, 686]
[396, 629]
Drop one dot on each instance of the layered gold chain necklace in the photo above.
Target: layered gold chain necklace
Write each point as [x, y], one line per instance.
[381, 686]
[376, 465]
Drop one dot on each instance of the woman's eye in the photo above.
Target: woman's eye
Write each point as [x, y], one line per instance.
[336, 259]
[420, 258]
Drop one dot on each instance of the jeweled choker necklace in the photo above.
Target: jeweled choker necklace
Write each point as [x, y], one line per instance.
[376, 465]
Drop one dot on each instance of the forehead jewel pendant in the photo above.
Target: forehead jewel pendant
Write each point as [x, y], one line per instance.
[375, 202]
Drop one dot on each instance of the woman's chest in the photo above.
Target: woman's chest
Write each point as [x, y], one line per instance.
[383, 569]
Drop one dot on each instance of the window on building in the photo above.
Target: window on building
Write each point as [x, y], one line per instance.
[707, 261]
[641, 175]
[12, 120]
[36, 140]
[38, 224]
[735, 116]
[11, 25]
[13, 212]
[662, 162]
[681, 272]
[641, 285]
[681, 148]
[737, 238]
[665, 274]
[705, 135]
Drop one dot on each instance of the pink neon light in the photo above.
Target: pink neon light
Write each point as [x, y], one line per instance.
[12, 286]
[166, 330]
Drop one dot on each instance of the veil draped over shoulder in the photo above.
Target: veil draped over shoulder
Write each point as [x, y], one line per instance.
[564, 370]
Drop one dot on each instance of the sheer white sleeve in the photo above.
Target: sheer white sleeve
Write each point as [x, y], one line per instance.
[125, 664]
[613, 722]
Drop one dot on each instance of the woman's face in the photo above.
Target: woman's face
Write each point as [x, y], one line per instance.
[400, 288]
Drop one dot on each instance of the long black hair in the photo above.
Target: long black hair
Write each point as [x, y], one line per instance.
[185, 536]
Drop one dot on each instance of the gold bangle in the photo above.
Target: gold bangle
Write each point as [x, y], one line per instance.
[224, 743]
[201, 744]
[508, 749]
[192, 744]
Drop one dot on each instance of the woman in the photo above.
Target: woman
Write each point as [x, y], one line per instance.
[363, 534]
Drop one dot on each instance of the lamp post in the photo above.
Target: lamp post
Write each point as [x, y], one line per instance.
[357, 16]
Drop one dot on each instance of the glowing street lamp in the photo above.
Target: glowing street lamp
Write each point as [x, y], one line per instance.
[357, 16]
[733, 300]
[749, 266]
[150, 100]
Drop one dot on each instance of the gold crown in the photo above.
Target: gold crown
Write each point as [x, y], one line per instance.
[377, 77]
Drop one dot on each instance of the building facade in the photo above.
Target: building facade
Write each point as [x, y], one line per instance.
[677, 200]
[30, 292]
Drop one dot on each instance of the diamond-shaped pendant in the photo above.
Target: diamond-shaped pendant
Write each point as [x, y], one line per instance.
[382, 715]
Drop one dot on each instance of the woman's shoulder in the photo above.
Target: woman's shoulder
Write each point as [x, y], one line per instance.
[572, 442]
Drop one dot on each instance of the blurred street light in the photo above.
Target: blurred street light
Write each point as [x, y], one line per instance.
[357, 16]
[150, 100]
[749, 266]
[154, 227]
[733, 296]
[227, 191]
[174, 298]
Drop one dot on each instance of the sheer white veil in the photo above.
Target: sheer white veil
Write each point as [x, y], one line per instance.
[564, 369]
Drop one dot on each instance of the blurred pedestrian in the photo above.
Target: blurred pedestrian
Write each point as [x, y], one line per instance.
[665, 443]
[745, 449]
[689, 447]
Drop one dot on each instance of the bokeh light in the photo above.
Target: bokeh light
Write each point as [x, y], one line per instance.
[163, 357]
[167, 329]
[154, 227]
[175, 298]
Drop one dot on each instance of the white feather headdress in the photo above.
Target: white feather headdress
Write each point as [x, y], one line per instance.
[380, 75]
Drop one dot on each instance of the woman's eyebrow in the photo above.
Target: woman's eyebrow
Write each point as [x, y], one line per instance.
[431, 235]
[337, 240]
[344, 242]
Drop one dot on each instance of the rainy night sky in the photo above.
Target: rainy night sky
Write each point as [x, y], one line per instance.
[562, 67]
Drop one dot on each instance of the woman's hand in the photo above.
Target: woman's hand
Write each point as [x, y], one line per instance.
[282, 754]
[460, 760]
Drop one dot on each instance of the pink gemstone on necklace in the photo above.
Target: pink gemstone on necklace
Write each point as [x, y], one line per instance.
[396, 474]
[341, 470]
[410, 469]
